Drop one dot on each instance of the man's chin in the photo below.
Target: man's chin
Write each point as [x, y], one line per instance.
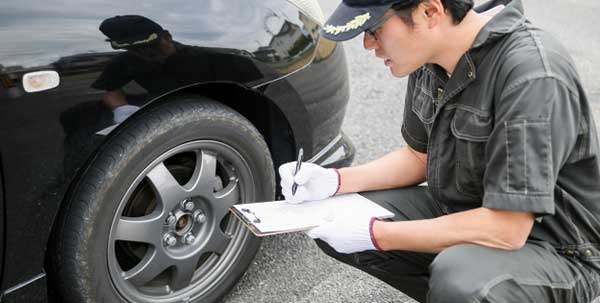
[398, 74]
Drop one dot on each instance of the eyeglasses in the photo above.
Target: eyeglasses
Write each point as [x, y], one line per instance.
[371, 31]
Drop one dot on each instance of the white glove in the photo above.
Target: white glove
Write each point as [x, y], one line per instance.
[122, 112]
[314, 182]
[347, 234]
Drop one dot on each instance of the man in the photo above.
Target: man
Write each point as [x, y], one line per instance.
[498, 125]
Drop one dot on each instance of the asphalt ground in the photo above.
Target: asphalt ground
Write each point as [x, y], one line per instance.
[290, 268]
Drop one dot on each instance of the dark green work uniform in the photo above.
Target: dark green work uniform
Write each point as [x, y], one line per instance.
[510, 129]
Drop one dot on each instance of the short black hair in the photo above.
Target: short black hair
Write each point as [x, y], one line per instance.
[458, 9]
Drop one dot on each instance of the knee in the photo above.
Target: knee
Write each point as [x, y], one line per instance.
[457, 275]
[363, 260]
[328, 250]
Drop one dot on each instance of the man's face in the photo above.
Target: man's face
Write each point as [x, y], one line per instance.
[403, 48]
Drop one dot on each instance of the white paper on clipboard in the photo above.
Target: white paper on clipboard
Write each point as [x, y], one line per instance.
[277, 217]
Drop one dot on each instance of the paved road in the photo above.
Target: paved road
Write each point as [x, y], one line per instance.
[290, 268]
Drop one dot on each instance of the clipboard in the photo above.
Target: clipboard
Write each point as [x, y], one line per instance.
[279, 217]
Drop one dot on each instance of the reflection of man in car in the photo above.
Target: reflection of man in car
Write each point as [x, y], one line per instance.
[158, 63]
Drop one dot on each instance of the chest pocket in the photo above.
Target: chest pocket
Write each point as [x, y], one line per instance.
[471, 130]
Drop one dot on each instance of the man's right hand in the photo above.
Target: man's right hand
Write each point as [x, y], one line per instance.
[314, 182]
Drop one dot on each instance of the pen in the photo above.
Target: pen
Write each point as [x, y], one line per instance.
[295, 185]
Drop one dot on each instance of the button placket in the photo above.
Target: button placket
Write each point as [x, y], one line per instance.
[443, 96]
[432, 158]
[432, 164]
[438, 98]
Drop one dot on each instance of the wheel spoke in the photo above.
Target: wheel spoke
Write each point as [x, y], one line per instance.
[217, 243]
[226, 198]
[153, 264]
[144, 229]
[165, 186]
[205, 172]
[184, 271]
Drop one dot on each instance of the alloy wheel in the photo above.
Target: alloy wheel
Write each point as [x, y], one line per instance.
[171, 238]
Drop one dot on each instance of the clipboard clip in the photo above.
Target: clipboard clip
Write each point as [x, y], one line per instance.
[249, 212]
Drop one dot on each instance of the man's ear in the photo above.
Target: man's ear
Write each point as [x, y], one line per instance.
[432, 11]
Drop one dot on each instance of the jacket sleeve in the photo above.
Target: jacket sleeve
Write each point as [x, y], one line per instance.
[536, 125]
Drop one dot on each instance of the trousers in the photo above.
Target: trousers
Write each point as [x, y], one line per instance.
[465, 273]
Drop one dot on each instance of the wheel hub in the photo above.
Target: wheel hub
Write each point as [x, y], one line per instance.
[184, 223]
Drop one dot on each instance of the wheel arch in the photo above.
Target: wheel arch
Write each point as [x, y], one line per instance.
[260, 110]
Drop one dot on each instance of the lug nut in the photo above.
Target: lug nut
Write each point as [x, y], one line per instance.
[171, 219]
[187, 205]
[169, 240]
[189, 238]
[199, 216]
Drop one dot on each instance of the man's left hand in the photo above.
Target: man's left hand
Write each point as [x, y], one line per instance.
[348, 234]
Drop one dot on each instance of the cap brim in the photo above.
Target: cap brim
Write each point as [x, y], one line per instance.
[134, 41]
[347, 22]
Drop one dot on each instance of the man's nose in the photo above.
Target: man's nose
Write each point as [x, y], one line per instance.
[369, 43]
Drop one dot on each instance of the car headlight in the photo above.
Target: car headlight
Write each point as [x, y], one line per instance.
[311, 8]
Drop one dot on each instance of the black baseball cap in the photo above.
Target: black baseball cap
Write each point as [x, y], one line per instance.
[130, 30]
[353, 17]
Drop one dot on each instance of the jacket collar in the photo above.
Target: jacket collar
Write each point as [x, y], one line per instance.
[504, 22]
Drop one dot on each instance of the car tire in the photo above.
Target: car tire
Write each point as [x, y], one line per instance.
[147, 219]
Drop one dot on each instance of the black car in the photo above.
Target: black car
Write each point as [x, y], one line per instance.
[127, 130]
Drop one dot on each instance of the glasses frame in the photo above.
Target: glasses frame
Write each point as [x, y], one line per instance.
[372, 31]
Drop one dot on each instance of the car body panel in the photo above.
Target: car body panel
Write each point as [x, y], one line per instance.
[47, 136]
[34, 290]
[324, 94]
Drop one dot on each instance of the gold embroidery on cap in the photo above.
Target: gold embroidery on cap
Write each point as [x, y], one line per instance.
[152, 37]
[355, 23]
